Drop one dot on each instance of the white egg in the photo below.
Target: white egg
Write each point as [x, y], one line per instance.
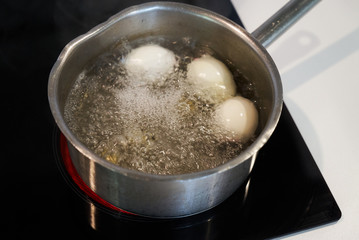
[237, 117]
[211, 77]
[152, 62]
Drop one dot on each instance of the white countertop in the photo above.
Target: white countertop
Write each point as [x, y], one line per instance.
[318, 59]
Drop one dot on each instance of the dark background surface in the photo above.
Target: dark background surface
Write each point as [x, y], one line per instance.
[287, 192]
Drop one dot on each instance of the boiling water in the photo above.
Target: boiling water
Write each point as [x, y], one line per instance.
[161, 128]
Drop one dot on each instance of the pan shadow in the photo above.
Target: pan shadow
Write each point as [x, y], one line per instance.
[300, 45]
[321, 61]
[296, 46]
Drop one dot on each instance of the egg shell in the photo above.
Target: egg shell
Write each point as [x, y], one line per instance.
[237, 117]
[150, 60]
[212, 77]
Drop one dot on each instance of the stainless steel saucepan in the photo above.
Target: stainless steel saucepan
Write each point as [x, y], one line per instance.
[175, 195]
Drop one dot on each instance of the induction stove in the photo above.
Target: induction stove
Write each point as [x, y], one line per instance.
[284, 194]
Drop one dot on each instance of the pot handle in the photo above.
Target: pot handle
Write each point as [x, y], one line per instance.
[282, 20]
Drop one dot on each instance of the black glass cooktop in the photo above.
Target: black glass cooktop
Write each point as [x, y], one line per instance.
[285, 193]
